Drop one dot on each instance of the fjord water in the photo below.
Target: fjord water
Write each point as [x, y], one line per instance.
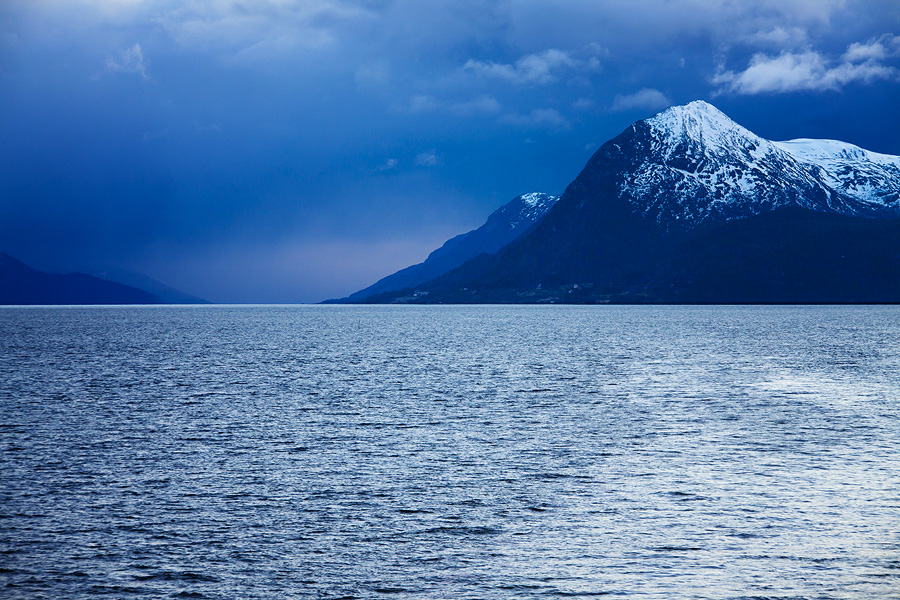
[450, 452]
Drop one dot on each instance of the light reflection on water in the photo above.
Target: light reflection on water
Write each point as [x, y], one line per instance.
[450, 452]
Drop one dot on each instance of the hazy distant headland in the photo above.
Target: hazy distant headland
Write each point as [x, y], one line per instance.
[22, 285]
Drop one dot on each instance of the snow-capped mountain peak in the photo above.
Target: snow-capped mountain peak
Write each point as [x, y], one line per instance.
[692, 164]
[702, 124]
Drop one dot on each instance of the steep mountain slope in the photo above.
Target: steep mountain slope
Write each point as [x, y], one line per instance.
[632, 225]
[502, 227]
[20, 284]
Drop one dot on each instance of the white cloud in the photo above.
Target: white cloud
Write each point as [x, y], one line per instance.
[130, 60]
[645, 99]
[811, 71]
[875, 49]
[540, 118]
[428, 159]
[857, 52]
[533, 69]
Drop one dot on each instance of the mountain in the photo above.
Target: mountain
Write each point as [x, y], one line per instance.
[503, 226]
[692, 165]
[869, 178]
[689, 206]
[165, 293]
[20, 284]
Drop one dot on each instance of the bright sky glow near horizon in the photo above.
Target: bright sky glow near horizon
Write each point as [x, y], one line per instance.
[296, 150]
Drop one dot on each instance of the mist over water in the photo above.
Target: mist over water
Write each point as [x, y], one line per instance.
[450, 452]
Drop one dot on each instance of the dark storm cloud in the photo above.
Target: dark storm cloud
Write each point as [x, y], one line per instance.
[329, 142]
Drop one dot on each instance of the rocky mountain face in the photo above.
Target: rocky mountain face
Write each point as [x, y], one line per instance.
[688, 206]
[502, 227]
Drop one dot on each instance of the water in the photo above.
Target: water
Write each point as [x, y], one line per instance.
[450, 452]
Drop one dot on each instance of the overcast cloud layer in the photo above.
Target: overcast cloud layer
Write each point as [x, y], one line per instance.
[284, 151]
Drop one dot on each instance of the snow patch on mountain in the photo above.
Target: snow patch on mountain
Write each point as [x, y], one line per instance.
[866, 176]
[526, 210]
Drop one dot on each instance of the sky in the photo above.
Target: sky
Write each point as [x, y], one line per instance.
[281, 151]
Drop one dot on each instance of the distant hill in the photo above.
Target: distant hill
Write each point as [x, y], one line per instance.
[504, 225]
[690, 207]
[166, 294]
[20, 284]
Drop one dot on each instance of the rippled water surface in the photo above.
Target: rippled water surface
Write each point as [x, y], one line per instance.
[450, 452]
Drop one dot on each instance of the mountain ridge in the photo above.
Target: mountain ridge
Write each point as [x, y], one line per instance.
[504, 225]
[23, 285]
[167, 294]
[629, 225]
